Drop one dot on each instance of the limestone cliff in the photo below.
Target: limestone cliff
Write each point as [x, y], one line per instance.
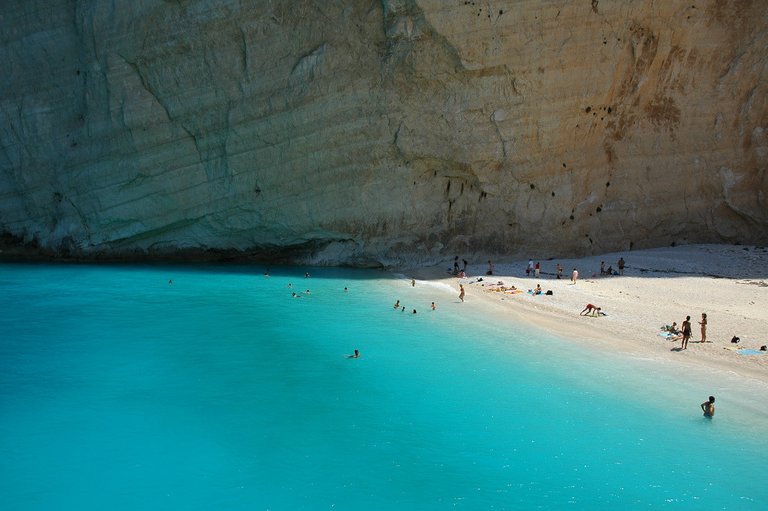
[382, 132]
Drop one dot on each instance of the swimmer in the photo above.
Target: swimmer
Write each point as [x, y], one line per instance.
[170, 281]
[345, 289]
[434, 306]
[356, 354]
[397, 304]
[708, 407]
[414, 311]
[306, 275]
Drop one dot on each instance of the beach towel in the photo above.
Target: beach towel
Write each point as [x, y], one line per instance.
[751, 352]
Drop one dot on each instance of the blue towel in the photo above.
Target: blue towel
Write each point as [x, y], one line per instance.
[752, 352]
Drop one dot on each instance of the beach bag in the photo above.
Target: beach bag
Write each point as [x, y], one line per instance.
[735, 339]
[549, 292]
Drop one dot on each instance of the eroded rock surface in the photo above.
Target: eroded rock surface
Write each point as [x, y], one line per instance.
[382, 132]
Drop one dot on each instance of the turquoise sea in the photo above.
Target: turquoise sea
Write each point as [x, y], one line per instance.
[120, 390]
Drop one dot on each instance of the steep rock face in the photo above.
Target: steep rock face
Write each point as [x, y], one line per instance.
[370, 132]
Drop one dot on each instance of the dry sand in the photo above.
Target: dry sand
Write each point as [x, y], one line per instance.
[729, 283]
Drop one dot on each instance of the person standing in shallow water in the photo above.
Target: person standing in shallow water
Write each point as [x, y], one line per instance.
[686, 328]
[461, 292]
[574, 276]
[708, 407]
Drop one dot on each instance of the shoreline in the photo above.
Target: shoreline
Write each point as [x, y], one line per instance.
[727, 282]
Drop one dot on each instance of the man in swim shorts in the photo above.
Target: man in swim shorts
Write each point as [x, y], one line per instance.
[686, 327]
[590, 309]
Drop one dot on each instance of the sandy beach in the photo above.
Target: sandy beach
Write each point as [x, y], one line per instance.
[729, 283]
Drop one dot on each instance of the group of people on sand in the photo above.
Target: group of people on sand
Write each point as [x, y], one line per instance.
[501, 287]
[683, 334]
[534, 269]
[460, 271]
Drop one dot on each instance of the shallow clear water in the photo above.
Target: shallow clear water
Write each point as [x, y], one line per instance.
[119, 390]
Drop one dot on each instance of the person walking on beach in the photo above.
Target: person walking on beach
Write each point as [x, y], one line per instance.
[529, 268]
[491, 268]
[461, 292]
[537, 269]
[559, 271]
[708, 407]
[686, 332]
[574, 276]
[703, 324]
[621, 266]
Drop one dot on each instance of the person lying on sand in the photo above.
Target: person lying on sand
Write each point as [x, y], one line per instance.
[500, 287]
[671, 333]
